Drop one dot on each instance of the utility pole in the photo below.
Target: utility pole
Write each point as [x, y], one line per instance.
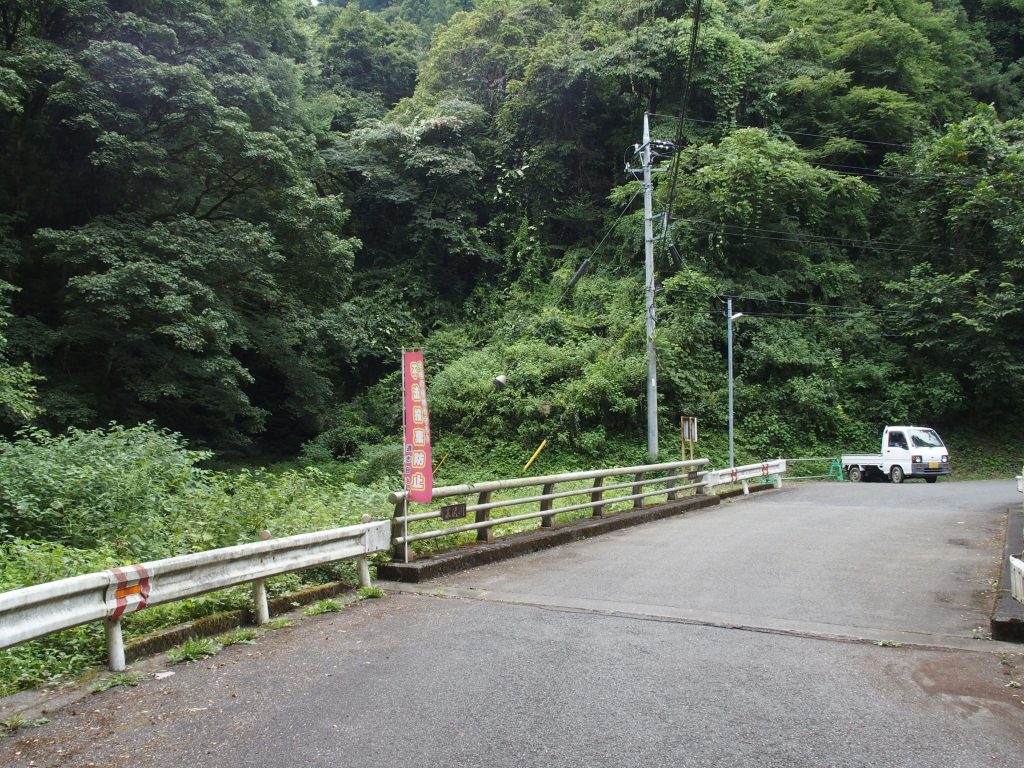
[652, 363]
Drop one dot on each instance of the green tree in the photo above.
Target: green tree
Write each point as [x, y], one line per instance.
[960, 198]
[177, 253]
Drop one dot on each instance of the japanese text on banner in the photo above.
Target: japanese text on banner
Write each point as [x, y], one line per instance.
[418, 464]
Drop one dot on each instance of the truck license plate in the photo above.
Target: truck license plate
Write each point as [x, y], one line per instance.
[933, 465]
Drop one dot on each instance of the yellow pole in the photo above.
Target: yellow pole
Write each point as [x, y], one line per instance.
[442, 461]
[536, 453]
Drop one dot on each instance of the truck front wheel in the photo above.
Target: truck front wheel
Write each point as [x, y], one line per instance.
[855, 474]
[896, 474]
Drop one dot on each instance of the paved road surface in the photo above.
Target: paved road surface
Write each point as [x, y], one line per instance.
[738, 635]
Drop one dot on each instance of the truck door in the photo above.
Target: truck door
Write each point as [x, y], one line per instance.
[897, 449]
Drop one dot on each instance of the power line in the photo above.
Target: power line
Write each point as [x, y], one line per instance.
[814, 304]
[805, 315]
[864, 244]
[734, 297]
[720, 124]
[845, 169]
[694, 32]
[804, 237]
[855, 170]
[887, 246]
[585, 264]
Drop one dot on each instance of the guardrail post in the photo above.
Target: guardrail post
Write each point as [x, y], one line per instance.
[705, 488]
[484, 535]
[638, 488]
[670, 485]
[399, 552]
[261, 609]
[364, 572]
[596, 495]
[547, 521]
[115, 645]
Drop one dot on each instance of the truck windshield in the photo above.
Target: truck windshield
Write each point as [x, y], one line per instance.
[926, 438]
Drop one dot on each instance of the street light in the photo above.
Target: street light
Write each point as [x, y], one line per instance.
[729, 318]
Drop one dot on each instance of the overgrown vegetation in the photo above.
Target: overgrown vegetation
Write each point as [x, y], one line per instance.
[89, 500]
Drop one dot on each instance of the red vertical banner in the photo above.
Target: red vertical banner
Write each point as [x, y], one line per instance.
[418, 471]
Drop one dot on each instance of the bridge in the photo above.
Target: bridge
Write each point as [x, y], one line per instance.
[811, 625]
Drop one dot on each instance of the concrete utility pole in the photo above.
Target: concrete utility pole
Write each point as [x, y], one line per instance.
[652, 363]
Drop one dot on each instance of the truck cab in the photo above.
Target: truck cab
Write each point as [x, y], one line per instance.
[907, 451]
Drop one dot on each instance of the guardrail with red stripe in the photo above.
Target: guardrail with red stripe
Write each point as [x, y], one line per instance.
[32, 612]
[765, 471]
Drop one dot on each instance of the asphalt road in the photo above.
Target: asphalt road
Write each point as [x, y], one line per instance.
[745, 634]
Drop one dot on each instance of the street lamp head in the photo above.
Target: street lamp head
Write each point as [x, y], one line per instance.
[738, 314]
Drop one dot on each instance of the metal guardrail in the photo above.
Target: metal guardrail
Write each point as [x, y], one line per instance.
[767, 470]
[681, 476]
[1017, 579]
[673, 478]
[32, 612]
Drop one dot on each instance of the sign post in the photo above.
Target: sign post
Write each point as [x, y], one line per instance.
[688, 428]
[417, 462]
[418, 472]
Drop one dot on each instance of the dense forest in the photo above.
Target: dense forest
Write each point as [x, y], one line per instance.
[227, 217]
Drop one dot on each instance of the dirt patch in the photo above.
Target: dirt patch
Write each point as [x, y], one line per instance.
[957, 681]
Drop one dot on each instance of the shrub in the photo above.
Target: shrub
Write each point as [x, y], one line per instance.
[114, 485]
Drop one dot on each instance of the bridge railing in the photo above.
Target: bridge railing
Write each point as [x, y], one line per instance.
[107, 596]
[674, 477]
[32, 612]
[668, 479]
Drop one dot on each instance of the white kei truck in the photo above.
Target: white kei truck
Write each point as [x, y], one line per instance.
[906, 452]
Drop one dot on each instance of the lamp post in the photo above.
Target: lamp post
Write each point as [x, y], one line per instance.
[729, 318]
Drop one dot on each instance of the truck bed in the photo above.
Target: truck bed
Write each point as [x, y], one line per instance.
[848, 459]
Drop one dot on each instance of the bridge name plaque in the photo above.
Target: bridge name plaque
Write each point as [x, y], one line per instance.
[453, 511]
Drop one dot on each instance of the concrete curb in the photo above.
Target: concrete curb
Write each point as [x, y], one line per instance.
[162, 640]
[752, 488]
[472, 555]
[1007, 621]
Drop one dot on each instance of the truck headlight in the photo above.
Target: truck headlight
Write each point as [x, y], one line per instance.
[916, 459]
[945, 459]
